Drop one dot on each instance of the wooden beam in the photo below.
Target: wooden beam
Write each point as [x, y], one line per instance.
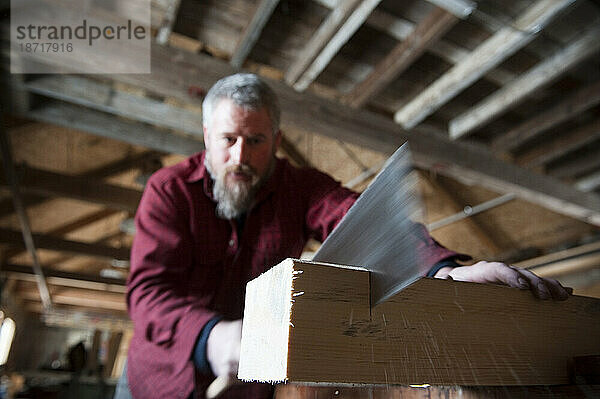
[540, 75]
[581, 165]
[292, 152]
[334, 21]
[552, 149]
[105, 125]
[460, 8]
[589, 183]
[80, 297]
[428, 31]
[308, 322]
[337, 29]
[573, 105]
[65, 279]
[564, 262]
[114, 342]
[14, 238]
[480, 230]
[486, 56]
[103, 97]
[252, 32]
[58, 185]
[166, 27]
[460, 160]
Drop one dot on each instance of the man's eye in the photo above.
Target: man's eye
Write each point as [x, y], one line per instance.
[255, 140]
[229, 140]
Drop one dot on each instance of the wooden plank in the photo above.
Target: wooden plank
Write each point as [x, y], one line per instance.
[302, 391]
[573, 105]
[334, 21]
[486, 56]
[44, 182]
[312, 323]
[13, 237]
[342, 33]
[103, 97]
[66, 279]
[579, 166]
[460, 8]
[540, 75]
[428, 31]
[552, 149]
[79, 297]
[114, 342]
[102, 124]
[305, 111]
[589, 183]
[557, 263]
[252, 32]
[168, 21]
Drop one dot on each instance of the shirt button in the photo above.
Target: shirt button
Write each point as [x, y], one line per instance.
[231, 243]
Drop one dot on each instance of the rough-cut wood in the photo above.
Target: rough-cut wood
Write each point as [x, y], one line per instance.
[486, 56]
[511, 94]
[307, 322]
[589, 183]
[252, 31]
[299, 391]
[105, 125]
[55, 184]
[56, 244]
[336, 18]
[552, 149]
[565, 110]
[428, 31]
[103, 97]
[166, 26]
[342, 34]
[460, 8]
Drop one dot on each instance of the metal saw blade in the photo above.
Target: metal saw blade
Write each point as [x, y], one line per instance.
[379, 231]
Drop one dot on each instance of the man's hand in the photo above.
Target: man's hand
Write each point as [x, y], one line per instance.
[499, 273]
[223, 355]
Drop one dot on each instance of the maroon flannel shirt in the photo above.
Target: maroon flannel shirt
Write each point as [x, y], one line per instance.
[188, 266]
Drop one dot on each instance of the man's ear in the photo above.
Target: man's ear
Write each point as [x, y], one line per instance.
[205, 132]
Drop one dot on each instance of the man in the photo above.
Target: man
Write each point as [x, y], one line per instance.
[210, 224]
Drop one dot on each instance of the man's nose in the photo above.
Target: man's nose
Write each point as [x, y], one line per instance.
[239, 152]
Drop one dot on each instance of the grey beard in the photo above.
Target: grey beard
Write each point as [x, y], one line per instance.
[233, 201]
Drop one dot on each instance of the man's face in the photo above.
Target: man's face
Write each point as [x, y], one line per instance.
[240, 147]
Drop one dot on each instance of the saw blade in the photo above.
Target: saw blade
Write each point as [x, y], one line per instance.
[379, 231]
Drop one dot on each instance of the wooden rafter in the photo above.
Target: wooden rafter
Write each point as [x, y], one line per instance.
[427, 32]
[105, 125]
[308, 112]
[337, 29]
[58, 185]
[511, 94]
[44, 241]
[589, 183]
[552, 149]
[486, 56]
[103, 97]
[252, 32]
[576, 103]
[166, 27]
[573, 168]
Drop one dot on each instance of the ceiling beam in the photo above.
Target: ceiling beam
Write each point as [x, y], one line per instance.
[400, 29]
[105, 125]
[460, 8]
[511, 94]
[583, 164]
[486, 56]
[553, 148]
[79, 297]
[252, 31]
[589, 183]
[43, 241]
[463, 161]
[166, 26]
[404, 54]
[66, 279]
[76, 187]
[337, 29]
[103, 97]
[573, 105]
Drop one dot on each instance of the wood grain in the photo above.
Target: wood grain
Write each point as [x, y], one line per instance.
[311, 323]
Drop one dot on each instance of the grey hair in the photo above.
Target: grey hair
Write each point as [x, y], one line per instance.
[246, 90]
